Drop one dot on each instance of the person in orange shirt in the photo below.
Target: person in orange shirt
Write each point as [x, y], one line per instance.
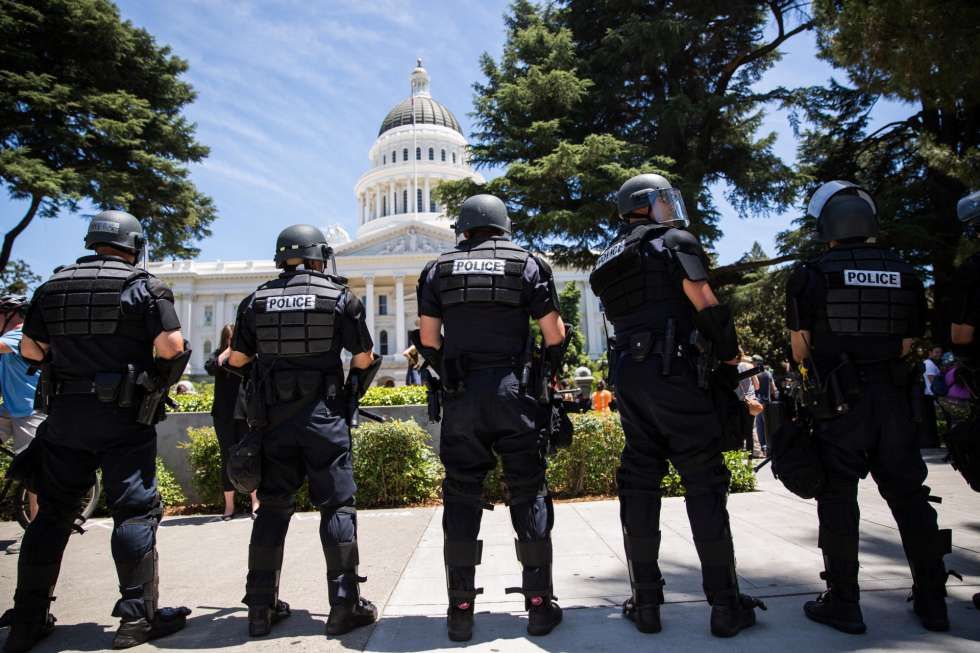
[601, 398]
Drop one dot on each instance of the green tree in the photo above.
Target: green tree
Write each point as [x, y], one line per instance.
[90, 110]
[569, 302]
[757, 304]
[17, 278]
[588, 93]
[916, 168]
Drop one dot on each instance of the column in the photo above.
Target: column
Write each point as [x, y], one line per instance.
[185, 320]
[425, 196]
[391, 198]
[219, 319]
[399, 313]
[377, 202]
[593, 324]
[360, 207]
[369, 301]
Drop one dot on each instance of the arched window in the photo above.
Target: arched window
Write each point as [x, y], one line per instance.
[405, 154]
[418, 200]
[405, 201]
[418, 154]
[432, 206]
[443, 155]
[382, 304]
[432, 154]
[394, 158]
[454, 157]
[208, 348]
[383, 343]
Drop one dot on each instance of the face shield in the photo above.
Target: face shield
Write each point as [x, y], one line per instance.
[666, 205]
[832, 188]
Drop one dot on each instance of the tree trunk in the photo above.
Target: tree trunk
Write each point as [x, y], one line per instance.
[8, 240]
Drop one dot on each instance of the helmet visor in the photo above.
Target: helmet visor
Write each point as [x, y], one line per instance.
[831, 188]
[666, 205]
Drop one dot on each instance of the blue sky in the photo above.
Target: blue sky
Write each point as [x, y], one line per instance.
[291, 94]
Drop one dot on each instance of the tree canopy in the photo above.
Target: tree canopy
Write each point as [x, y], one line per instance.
[589, 93]
[90, 111]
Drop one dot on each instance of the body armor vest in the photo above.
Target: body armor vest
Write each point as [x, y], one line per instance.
[630, 283]
[83, 299]
[489, 271]
[871, 292]
[294, 314]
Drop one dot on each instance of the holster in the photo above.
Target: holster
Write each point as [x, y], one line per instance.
[152, 408]
[45, 388]
[256, 409]
[433, 394]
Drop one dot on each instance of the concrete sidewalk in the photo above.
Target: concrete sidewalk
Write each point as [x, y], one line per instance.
[203, 560]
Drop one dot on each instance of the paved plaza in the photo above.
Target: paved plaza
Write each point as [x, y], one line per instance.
[203, 567]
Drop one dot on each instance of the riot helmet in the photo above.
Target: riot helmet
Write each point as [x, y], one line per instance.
[968, 211]
[482, 210]
[654, 191]
[14, 303]
[303, 241]
[117, 229]
[843, 211]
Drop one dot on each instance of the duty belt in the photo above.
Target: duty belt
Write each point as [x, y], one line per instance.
[472, 361]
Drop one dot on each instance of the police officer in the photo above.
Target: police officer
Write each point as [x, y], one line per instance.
[480, 295]
[653, 282]
[852, 313]
[966, 316]
[96, 324]
[294, 328]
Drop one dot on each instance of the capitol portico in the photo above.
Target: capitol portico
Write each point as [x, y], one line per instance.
[400, 228]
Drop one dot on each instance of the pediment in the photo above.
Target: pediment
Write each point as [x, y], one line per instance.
[401, 239]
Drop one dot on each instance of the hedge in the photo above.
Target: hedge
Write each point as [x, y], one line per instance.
[394, 465]
[202, 400]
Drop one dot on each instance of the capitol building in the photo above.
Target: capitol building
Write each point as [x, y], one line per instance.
[400, 228]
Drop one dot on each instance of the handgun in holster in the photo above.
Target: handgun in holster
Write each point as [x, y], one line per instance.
[433, 393]
[45, 385]
[157, 384]
[704, 362]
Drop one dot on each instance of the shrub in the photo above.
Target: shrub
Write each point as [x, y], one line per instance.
[199, 402]
[400, 396]
[168, 487]
[204, 455]
[394, 464]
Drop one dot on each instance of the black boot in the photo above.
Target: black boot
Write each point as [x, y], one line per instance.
[839, 606]
[165, 621]
[262, 618]
[646, 582]
[26, 629]
[542, 615]
[345, 617]
[459, 617]
[925, 554]
[348, 609]
[731, 611]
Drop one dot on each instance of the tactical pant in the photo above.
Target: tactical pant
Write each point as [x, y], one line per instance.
[668, 418]
[876, 435]
[80, 437]
[312, 444]
[493, 417]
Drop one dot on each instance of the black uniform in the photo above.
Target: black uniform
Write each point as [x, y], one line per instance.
[665, 414]
[859, 301]
[966, 306]
[484, 291]
[296, 325]
[99, 316]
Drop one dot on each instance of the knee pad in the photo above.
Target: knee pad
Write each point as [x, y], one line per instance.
[463, 491]
[338, 523]
[134, 530]
[533, 518]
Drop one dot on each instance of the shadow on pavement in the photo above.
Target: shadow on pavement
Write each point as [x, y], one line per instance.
[77, 637]
[419, 633]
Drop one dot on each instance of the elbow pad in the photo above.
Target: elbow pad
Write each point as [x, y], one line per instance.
[716, 323]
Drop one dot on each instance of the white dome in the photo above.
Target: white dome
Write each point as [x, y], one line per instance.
[336, 235]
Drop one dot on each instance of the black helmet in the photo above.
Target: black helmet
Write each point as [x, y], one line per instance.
[301, 241]
[482, 211]
[116, 228]
[11, 303]
[968, 211]
[843, 210]
[654, 191]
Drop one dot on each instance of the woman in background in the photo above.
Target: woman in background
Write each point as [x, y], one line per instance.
[228, 429]
[412, 374]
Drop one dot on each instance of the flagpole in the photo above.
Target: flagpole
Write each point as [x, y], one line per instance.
[415, 160]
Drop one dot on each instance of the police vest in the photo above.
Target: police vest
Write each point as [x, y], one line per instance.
[491, 271]
[629, 282]
[83, 299]
[871, 292]
[294, 314]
